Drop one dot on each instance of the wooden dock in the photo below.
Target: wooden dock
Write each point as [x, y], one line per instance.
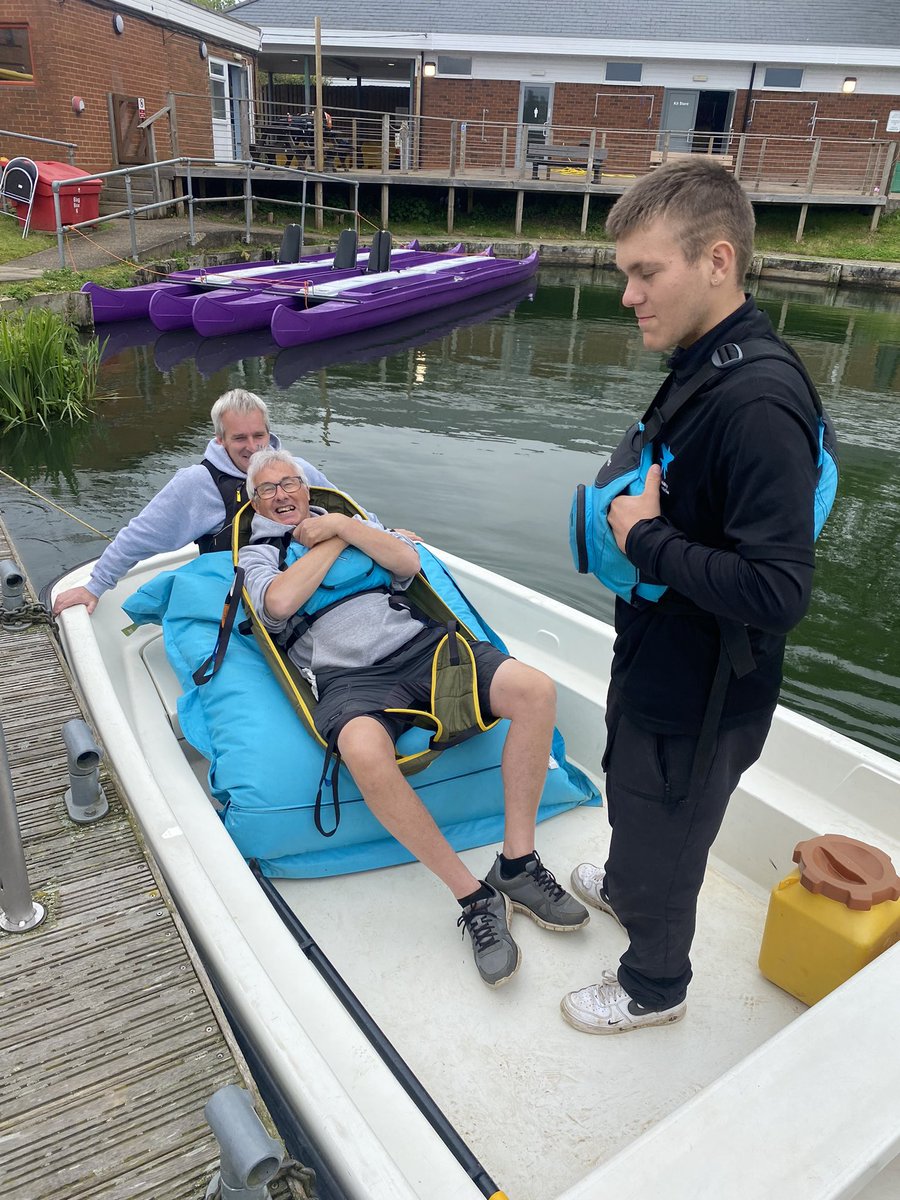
[111, 1038]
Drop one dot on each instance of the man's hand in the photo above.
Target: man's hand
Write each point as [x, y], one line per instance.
[314, 530]
[73, 596]
[408, 533]
[626, 511]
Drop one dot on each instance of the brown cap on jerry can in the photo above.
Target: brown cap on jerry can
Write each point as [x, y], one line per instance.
[843, 869]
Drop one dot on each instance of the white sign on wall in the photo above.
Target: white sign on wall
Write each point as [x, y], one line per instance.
[893, 121]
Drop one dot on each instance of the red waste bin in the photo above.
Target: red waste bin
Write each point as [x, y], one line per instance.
[80, 202]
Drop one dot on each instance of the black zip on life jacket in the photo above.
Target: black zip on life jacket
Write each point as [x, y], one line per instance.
[230, 488]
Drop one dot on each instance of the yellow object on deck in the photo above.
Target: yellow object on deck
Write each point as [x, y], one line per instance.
[830, 918]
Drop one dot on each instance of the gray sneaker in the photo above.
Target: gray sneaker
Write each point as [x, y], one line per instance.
[537, 894]
[497, 956]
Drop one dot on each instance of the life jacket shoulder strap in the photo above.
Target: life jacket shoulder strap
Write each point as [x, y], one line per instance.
[230, 489]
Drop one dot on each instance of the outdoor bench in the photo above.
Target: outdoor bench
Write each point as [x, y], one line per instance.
[660, 156]
[547, 156]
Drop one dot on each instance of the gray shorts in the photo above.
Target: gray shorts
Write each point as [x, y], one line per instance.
[402, 680]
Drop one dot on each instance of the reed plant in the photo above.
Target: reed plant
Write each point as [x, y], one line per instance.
[48, 373]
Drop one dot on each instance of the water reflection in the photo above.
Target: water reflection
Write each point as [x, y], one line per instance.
[475, 428]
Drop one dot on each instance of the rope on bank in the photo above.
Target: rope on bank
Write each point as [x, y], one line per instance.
[53, 504]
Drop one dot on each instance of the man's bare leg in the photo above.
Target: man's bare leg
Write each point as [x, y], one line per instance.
[527, 698]
[367, 749]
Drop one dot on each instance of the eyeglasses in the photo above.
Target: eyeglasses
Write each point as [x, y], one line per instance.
[289, 485]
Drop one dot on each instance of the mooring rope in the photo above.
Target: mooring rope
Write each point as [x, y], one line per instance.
[47, 500]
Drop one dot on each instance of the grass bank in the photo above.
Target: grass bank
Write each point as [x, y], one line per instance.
[47, 372]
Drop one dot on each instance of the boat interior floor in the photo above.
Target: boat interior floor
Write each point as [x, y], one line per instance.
[538, 1102]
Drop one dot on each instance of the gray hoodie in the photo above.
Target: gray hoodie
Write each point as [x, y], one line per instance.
[355, 634]
[185, 509]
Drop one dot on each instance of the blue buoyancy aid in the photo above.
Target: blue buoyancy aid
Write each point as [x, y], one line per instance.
[351, 573]
[591, 539]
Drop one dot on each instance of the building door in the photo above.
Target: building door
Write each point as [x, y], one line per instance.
[535, 113]
[678, 116]
[238, 104]
[229, 89]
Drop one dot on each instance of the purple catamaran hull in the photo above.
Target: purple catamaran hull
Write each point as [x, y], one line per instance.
[363, 304]
[217, 313]
[174, 295]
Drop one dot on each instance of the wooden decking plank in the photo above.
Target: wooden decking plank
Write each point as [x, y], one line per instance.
[110, 1042]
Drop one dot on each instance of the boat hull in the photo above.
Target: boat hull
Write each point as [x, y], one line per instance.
[386, 301]
[697, 1113]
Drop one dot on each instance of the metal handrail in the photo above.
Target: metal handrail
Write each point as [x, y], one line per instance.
[250, 166]
[71, 147]
[18, 912]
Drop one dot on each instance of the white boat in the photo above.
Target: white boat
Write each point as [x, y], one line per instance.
[751, 1096]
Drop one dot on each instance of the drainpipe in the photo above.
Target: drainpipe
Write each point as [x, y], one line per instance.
[745, 120]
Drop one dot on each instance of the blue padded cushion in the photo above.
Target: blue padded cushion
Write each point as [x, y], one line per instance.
[265, 767]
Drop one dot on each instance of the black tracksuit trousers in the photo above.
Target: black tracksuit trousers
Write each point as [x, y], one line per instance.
[660, 843]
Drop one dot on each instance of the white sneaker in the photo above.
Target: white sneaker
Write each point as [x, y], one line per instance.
[607, 1008]
[587, 884]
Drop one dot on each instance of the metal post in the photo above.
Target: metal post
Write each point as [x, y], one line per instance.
[57, 212]
[463, 132]
[248, 205]
[302, 214]
[19, 912]
[503, 143]
[130, 205]
[190, 199]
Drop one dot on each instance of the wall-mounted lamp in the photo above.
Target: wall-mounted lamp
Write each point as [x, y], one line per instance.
[849, 85]
[203, 50]
[238, 57]
[429, 70]
[118, 24]
[77, 105]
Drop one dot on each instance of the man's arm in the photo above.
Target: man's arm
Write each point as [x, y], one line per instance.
[187, 507]
[395, 554]
[766, 579]
[288, 590]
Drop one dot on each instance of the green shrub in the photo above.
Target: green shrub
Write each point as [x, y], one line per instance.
[47, 372]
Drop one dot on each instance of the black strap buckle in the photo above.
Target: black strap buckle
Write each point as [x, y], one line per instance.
[727, 356]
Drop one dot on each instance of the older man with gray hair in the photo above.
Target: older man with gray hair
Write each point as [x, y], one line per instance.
[322, 584]
[197, 504]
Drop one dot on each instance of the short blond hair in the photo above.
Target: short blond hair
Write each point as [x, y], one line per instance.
[237, 401]
[700, 199]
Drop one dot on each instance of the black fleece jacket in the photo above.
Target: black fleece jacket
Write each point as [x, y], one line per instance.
[735, 538]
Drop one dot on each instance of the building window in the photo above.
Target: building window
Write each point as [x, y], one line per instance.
[218, 90]
[448, 65]
[783, 77]
[15, 55]
[624, 72]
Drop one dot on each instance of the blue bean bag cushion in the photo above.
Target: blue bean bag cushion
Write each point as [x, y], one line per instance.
[265, 767]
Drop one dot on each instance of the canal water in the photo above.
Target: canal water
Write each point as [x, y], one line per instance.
[474, 426]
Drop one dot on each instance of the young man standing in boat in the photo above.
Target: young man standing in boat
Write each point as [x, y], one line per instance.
[725, 522]
[197, 504]
[368, 656]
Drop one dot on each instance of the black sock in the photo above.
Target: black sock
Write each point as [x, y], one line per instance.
[510, 867]
[484, 893]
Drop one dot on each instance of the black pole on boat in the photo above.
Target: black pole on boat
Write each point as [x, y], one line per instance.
[380, 1042]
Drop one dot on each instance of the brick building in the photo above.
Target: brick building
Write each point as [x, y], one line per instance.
[674, 70]
[75, 70]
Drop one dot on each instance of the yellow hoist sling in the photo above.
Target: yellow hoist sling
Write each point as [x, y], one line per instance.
[454, 714]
